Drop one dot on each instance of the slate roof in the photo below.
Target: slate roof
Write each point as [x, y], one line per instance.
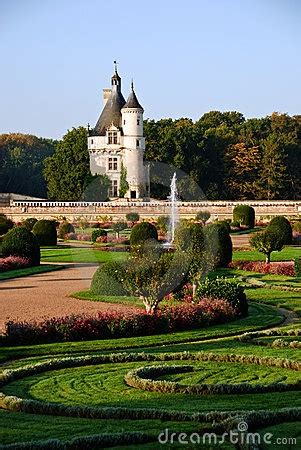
[132, 101]
[110, 114]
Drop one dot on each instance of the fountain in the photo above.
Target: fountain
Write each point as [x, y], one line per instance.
[173, 218]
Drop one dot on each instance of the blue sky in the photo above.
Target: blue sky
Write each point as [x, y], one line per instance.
[186, 58]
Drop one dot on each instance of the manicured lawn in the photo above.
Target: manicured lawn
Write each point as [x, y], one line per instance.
[80, 255]
[287, 254]
[28, 271]
[122, 300]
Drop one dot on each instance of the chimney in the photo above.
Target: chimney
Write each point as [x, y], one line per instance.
[106, 95]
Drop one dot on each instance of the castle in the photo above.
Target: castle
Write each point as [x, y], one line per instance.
[116, 144]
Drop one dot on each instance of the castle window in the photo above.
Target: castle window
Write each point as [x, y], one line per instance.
[137, 143]
[91, 141]
[113, 164]
[138, 121]
[112, 137]
[124, 122]
[113, 190]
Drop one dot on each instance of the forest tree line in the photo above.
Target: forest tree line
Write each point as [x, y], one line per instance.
[227, 156]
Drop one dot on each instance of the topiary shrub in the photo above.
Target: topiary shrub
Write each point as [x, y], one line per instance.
[45, 232]
[203, 216]
[141, 233]
[218, 244]
[225, 289]
[98, 233]
[282, 227]
[29, 223]
[21, 242]
[65, 228]
[107, 280]
[266, 242]
[132, 217]
[245, 215]
[5, 224]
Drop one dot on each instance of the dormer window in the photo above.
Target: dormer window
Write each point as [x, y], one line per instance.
[112, 137]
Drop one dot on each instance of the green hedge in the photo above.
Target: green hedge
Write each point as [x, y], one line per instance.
[29, 223]
[218, 244]
[65, 228]
[98, 233]
[143, 232]
[21, 242]
[107, 280]
[282, 227]
[245, 215]
[45, 231]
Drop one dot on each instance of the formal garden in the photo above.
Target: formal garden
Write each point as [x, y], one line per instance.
[210, 340]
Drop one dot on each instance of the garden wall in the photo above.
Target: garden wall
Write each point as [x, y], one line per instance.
[19, 210]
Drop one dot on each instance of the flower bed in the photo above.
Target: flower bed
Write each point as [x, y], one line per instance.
[278, 268]
[13, 262]
[115, 325]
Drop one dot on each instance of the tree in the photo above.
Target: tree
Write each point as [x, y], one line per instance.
[267, 242]
[118, 227]
[21, 163]
[67, 172]
[154, 276]
[124, 185]
[132, 217]
[203, 216]
[97, 189]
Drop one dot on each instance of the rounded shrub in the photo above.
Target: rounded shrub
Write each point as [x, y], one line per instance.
[29, 223]
[282, 227]
[65, 228]
[132, 217]
[5, 224]
[189, 236]
[218, 244]
[98, 233]
[45, 232]
[143, 232]
[245, 215]
[107, 280]
[21, 242]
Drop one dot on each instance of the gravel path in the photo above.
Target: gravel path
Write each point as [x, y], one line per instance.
[46, 295]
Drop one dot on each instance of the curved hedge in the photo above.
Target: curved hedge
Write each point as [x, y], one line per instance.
[218, 244]
[107, 280]
[142, 378]
[245, 215]
[282, 227]
[21, 242]
[45, 231]
[65, 228]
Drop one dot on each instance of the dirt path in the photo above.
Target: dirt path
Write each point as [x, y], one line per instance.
[46, 295]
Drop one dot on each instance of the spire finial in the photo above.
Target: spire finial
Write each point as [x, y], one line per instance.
[132, 84]
[115, 64]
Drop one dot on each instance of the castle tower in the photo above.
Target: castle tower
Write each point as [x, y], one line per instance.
[134, 143]
[116, 144]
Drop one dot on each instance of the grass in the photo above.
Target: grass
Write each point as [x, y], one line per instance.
[80, 255]
[285, 432]
[287, 254]
[119, 299]
[28, 271]
[103, 385]
[248, 231]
